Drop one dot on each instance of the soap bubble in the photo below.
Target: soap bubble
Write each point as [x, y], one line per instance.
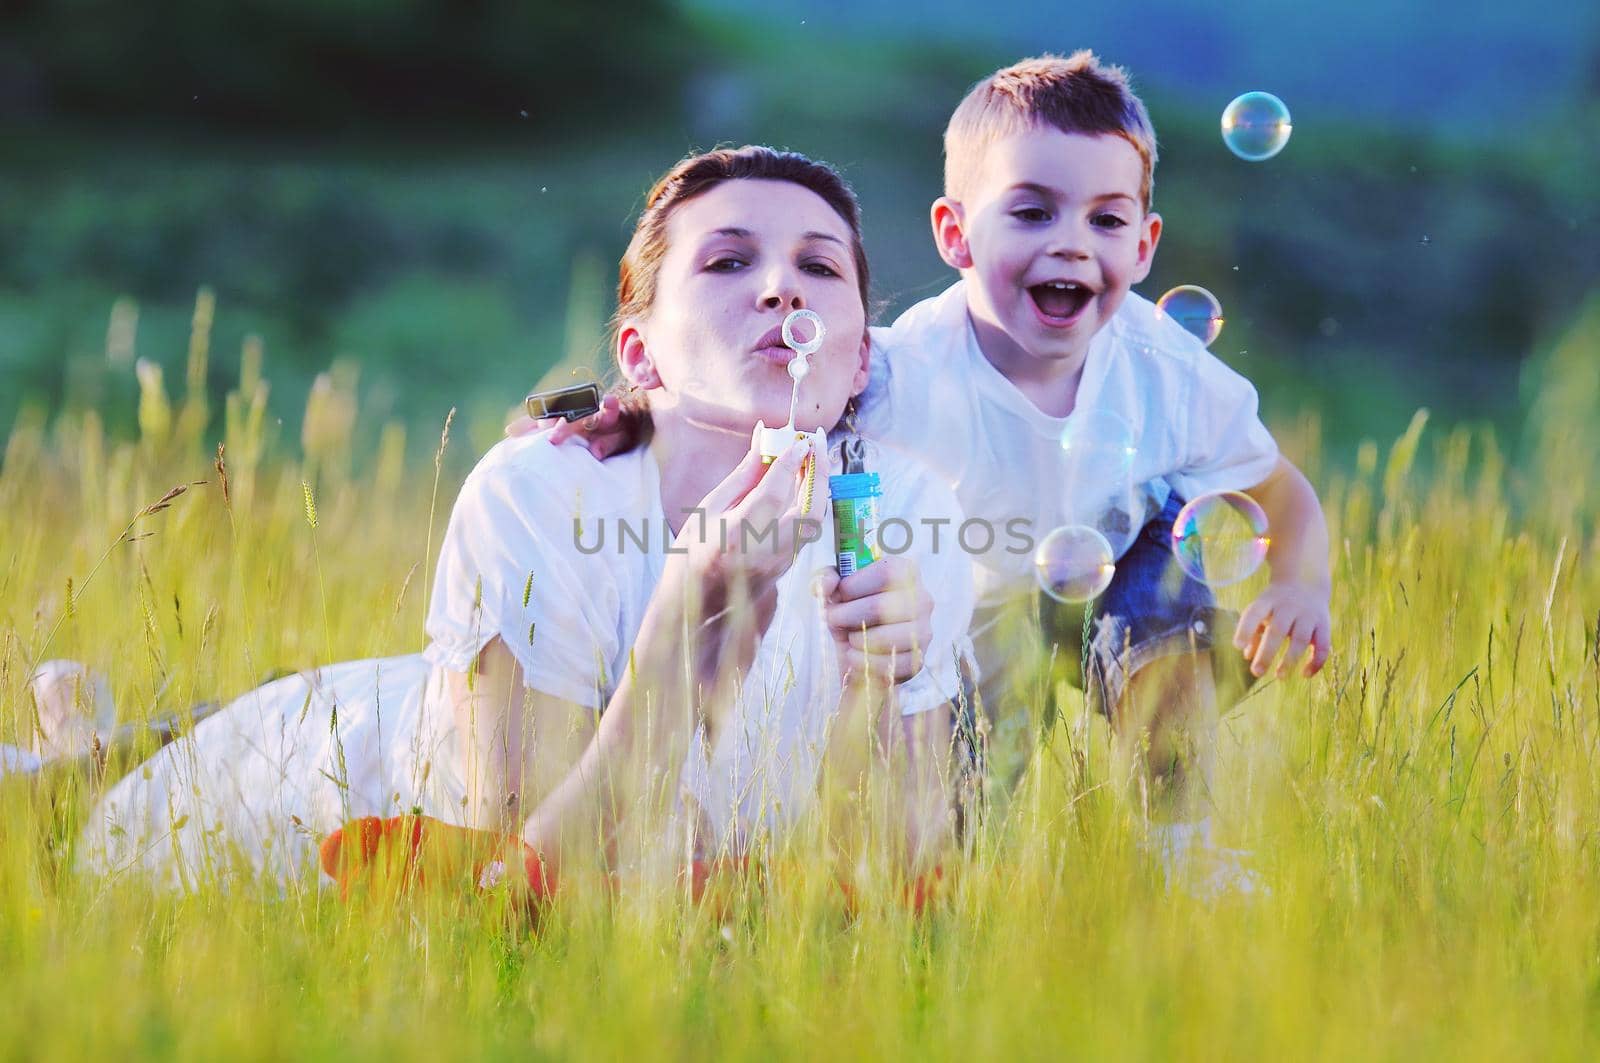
[1097, 490]
[1098, 438]
[1073, 563]
[1256, 126]
[1220, 537]
[1196, 309]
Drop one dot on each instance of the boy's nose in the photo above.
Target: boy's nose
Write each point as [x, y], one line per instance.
[1068, 242]
[1071, 250]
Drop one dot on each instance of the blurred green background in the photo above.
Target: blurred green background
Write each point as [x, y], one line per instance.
[437, 193]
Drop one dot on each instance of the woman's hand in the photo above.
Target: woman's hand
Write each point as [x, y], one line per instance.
[750, 525]
[881, 618]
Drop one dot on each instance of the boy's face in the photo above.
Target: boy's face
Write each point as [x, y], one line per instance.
[1050, 236]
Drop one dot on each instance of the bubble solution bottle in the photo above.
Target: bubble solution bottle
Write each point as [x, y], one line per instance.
[855, 495]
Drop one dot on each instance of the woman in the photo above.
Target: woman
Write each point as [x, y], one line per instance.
[597, 699]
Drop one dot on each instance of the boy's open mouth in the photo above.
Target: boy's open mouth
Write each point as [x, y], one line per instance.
[1060, 300]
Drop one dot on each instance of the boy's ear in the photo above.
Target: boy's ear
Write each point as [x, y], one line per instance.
[950, 233]
[1149, 237]
[635, 360]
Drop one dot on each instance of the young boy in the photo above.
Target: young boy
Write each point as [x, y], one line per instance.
[1047, 217]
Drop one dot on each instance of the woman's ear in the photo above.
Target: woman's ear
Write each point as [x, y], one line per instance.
[949, 233]
[634, 360]
[858, 382]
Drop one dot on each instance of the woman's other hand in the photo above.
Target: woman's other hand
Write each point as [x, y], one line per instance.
[881, 618]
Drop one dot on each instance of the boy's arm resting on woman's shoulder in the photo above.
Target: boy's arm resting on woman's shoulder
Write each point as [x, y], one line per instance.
[1293, 611]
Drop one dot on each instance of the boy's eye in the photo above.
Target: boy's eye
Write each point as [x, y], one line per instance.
[1109, 221]
[1031, 214]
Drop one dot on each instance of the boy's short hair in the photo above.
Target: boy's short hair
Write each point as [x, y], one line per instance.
[1076, 94]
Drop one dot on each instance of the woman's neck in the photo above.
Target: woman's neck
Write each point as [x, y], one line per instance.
[693, 458]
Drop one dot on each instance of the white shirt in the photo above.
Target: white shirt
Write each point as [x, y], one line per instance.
[933, 395]
[576, 524]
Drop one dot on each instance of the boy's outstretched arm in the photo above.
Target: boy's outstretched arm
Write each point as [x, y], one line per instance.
[1294, 607]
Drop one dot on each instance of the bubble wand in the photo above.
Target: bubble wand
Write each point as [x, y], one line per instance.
[774, 441]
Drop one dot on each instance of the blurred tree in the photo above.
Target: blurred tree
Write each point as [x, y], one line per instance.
[330, 64]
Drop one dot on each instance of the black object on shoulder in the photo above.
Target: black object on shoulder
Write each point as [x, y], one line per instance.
[570, 403]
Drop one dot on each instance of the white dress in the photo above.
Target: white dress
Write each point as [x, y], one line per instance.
[557, 554]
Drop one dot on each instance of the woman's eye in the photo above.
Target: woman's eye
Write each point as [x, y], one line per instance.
[1031, 214]
[726, 264]
[1109, 221]
[820, 269]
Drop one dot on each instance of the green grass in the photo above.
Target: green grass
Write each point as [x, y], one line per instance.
[1425, 813]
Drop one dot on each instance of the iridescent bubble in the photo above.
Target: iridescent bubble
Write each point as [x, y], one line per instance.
[1256, 126]
[1196, 309]
[1073, 564]
[1096, 488]
[1097, 438]
[1220, 537]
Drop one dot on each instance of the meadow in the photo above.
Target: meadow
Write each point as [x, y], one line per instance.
[1425, 813]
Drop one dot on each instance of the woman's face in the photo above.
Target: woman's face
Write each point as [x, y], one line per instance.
[739, 259]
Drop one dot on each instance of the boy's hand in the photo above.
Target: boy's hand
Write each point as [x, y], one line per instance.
[1292, 613]
[881, 618]
[610, 431]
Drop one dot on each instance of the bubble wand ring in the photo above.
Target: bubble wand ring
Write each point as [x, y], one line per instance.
[803, 348]
[800, 364]
[774, 441]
